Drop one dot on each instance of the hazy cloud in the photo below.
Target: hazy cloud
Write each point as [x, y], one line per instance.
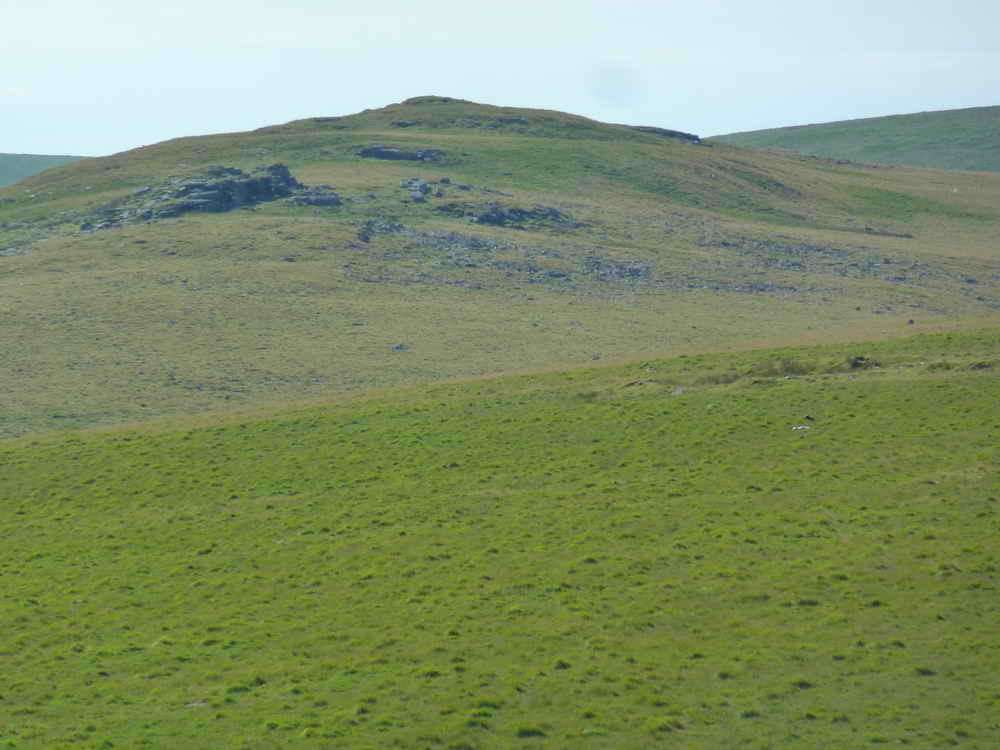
[615, 83]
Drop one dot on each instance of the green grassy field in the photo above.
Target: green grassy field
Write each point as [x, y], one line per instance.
[637, 555]
[669, 248]
[15, 167]
[967, 139]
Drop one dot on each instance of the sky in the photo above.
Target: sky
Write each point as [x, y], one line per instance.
[95, 77]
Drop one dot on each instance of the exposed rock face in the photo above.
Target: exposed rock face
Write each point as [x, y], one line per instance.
[378, 151]
[495, 214]
[226, 188]
[216, 190]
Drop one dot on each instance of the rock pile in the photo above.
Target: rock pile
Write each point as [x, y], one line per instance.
[495, 214]
[609, 269]
[219, 189]
[418, 188]
[316, 195]
[216, 190]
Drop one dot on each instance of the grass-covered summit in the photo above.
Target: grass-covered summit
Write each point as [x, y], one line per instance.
[966, 139]
[439, 238]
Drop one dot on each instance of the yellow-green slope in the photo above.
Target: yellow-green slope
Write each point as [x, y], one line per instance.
[634, 556]
[667, 246]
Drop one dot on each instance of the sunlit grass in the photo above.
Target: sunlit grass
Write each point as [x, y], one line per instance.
[609, 557]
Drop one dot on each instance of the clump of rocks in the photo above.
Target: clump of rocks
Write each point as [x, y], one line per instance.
[495, 214]
[420, 189]
[316, 195]
[609, 269]
[216, 190]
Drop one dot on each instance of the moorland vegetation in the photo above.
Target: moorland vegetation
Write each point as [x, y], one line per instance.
[264, 485]
[787, 548]
[509, 240]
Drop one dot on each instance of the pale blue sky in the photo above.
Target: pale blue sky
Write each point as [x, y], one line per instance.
[95, 77]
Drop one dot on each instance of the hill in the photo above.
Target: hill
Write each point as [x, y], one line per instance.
[438, 238]
[967, 139]
[788, 548]
[15, 167]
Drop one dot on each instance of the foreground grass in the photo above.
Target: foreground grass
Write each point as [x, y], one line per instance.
[626, 556]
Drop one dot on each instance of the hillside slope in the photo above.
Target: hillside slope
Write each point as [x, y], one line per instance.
[441, 238]
[967, 139]
[791, 548]
[15, 167]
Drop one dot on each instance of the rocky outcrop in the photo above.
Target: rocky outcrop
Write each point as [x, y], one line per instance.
[379, 151]
[216, 190]
[495, 214]
[418, 188]
[223, 189]
[316, 195]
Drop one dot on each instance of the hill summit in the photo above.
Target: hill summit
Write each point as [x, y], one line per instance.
[438, 238]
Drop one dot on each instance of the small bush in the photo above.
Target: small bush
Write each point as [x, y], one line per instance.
[862, 362]
[530, 732]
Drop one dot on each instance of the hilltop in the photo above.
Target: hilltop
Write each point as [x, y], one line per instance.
[439, 238]
[15, 167]
[967, 139]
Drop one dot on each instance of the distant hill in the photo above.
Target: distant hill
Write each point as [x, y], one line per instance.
[438, 238]
[15, 167]
[966, 139]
